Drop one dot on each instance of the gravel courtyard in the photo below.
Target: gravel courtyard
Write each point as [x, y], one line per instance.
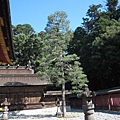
[49, 114]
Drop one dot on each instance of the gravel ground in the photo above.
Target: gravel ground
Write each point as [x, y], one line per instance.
[49, 114]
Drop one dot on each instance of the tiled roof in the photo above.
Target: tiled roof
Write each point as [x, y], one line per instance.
[106, 91]
[20, 76]
[22, 80]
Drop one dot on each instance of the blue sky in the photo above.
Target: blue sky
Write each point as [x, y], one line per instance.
[35, 12]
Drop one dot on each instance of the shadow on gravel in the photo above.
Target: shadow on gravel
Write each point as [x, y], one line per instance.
[109, 112]
[15, 115]
[22, 116]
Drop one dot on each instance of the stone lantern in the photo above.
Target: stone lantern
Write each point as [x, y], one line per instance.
[58, 113]
[25, 102]
[5, 105]
[87, 105]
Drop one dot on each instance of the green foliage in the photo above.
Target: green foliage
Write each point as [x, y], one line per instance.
[53, 52]
[57, 21]
[112, 7]
[55, 62]
[98, 47]
[92, 16]
[78, 77]
[27, 46]
[23, 29]
[77, 41]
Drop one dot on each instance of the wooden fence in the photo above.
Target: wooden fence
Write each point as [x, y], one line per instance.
[105, 99]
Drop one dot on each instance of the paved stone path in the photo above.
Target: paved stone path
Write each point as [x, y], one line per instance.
[49, 114]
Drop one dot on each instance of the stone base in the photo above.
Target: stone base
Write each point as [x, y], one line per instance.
[59, 114]
[89, 117]
[5, 116]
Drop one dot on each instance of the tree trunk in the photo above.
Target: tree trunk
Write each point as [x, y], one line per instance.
[63, 100]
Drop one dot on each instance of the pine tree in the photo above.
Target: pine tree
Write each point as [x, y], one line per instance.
[79, 78]
[56, 63]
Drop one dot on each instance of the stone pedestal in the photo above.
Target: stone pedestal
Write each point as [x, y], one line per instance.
[5, 115]
[88, 111]
[58, 113]
[25, 102]
[89, 117]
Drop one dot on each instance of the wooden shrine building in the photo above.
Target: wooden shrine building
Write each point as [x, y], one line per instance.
[22, 87]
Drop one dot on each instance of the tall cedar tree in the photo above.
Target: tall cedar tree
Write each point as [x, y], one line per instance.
[98, 45]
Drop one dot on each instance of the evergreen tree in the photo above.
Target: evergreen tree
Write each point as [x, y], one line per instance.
[111, 8]
[56, 63]
[78, 77]
[27, 44]
[97, 46]
[22, 29]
